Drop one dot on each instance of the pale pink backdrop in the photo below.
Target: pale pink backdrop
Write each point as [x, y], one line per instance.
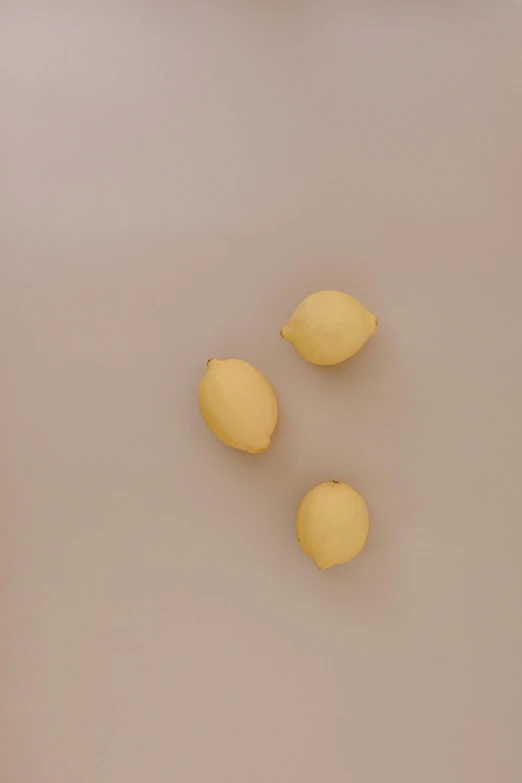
[175, 177]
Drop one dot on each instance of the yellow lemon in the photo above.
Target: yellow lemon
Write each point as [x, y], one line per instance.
[329, 327]
[332, 524]
[238, 404]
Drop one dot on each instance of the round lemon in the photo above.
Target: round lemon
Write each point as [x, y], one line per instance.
[329, 327]
[238, 404]
[332, 524]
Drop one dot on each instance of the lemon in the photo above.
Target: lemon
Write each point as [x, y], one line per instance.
[332, 524]
[329, 327]
[238, 404]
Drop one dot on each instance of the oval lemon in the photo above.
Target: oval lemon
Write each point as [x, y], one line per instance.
[328, 327]
[238, 404]
[332, 524]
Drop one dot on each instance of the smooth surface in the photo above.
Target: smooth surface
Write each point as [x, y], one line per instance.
[175, 178]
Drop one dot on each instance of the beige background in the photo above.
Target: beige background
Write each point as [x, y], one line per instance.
[175, 178]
